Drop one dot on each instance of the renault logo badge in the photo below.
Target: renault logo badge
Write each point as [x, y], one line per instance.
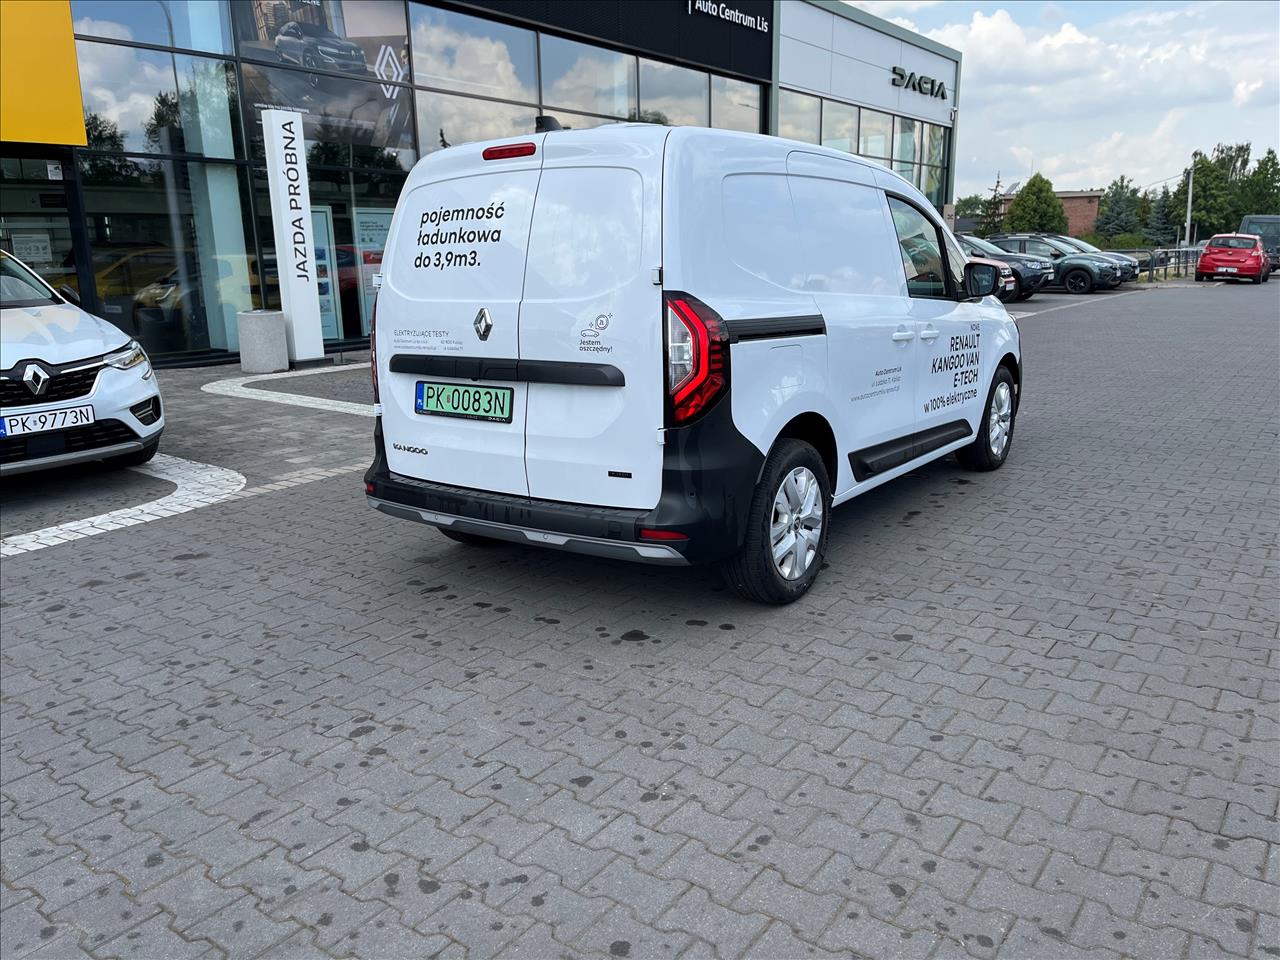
[483, 324]
[36, 378]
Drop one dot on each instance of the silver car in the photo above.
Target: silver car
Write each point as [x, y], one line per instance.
[73, 387]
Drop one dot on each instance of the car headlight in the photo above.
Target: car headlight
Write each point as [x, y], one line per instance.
[131, 357]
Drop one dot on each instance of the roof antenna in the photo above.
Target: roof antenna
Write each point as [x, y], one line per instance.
[545, 124]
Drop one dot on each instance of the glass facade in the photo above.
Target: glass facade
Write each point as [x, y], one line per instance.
[478, 79]
[161, 223]
[913, 148]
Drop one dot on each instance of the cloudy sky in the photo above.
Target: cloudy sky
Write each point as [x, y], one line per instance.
[1085, 91]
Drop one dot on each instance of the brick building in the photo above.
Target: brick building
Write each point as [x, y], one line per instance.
[1080, 206]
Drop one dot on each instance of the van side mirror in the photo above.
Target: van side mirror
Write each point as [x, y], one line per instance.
[69, 295]
[980, 280]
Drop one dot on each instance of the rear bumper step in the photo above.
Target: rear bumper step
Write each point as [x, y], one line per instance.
[513, 533]
[597, 531]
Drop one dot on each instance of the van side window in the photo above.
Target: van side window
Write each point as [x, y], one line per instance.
[920, 243]
[846, 246]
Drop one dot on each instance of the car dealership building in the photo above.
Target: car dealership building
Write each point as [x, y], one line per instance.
[132, 162]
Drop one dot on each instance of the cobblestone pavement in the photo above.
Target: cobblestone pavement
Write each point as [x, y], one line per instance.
[1023, 714]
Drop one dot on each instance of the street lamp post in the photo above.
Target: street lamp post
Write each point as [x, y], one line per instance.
[1191, 180]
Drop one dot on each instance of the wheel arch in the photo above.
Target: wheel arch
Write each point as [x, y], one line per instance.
[814, 429]
[1015, 370]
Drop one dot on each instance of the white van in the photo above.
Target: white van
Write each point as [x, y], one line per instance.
[674, 345]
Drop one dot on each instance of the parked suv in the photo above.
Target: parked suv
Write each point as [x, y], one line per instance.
[1128, 264]
[73, 387]
[1030, 273]
[675, 345]
[1266, 226]
[1234, 256]
[1074, 271]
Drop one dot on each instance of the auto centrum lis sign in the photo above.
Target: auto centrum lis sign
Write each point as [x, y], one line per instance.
[730, 14]
[918, 82]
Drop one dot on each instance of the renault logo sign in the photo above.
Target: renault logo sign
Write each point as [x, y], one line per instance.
[483, 324]
[36, 378]
[389, 69]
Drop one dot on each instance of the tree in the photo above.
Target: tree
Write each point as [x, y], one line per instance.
[1037, 208]
[970, 206]
[1260, 192]
[1144, 207]
[990, 214]
[1161, 227]
[1118, 209]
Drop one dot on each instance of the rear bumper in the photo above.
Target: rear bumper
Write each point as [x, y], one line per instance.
[530, 522]
[709, 475]
[1243, 269]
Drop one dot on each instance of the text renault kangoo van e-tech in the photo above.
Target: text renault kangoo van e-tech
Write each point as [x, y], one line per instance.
[675, 346]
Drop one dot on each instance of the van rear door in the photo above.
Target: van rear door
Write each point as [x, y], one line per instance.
[448, 342]
[591, 320]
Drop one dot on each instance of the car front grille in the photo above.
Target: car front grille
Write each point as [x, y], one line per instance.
[30, 446]
[62, 386]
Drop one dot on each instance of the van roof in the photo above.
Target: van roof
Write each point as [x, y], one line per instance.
[625, 128]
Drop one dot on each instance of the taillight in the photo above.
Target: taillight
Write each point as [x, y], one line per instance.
[509, 150]
[697, 358]
[373, 349]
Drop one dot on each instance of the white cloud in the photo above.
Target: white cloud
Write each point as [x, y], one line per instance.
[1085, 102]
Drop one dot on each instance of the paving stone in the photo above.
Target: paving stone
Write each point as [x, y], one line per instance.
[696, 914]
[1026, 725]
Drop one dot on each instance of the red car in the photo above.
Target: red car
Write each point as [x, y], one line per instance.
[1237, 256]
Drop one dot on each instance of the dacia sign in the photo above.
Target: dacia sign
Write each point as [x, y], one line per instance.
[919, 83]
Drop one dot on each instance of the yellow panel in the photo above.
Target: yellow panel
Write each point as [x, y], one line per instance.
[39, 78]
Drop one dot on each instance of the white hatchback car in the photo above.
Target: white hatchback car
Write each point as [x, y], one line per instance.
[73, 388]
[675, 345]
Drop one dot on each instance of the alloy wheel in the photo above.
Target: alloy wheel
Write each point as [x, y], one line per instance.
[1000, 419]
[796, 529]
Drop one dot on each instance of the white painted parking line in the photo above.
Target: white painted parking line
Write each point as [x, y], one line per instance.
[199, 485]
[240, 387]
[1082, 302]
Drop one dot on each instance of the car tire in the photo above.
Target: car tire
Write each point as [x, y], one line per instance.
[1077, 282]
[793, 495]
[135, 459]
[1258, 278]
[1199, 278]
[469, 539]
[998, 419]
[1027, 295]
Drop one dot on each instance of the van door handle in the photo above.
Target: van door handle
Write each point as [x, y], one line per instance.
[903, 335]
[930, 334]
